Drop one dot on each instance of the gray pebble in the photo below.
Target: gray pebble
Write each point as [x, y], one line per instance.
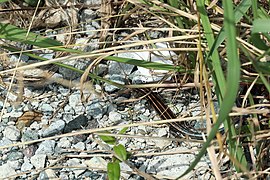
[6, 171]
[96, 109]
[26, 166]
[79, 146]
[38, 160]
[14, 164]
[55, 128]
[76, 123]
[118, 78]
[68, 109]
[15, 155]
[29, 135]
[90, 30]
[92, 2]
[64, 143]
[115, 117]
[46, 147]
[76, 162]
[12, 133]
[46, 108]
[74, 99]
[87, 15]
[119, 68]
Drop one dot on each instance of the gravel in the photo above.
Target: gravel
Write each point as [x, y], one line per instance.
[64, 111]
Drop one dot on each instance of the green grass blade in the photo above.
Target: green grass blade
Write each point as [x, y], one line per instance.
[239, 12]
[14, 33]
[233, 78]
[219, 78]
[146, 64]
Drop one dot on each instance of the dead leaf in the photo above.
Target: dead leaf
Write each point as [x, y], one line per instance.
[28, 118]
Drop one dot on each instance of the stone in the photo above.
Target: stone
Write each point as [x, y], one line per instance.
[162, 132]
[5, 141]
[12, 133]
[15, 155]
[14, 164]
[29, 151]
[172, 166]
[76, 162]
[55, 128]
[38, 160]
[70, 74]
[90, 30]
[118, 78]
[68, 109]
[74, 99]
[29, 135]
[50, 174]
[115, 117]
[6, 171]
[92, 2]
[26, 166]
[87, 15]
[96, 109]
[119, 68]
[64, 143]
[46, 108]
[79, 146]
[96, 162]
[76, 123]
[46, 147]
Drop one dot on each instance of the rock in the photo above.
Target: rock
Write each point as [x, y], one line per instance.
[118, 78]
[63, 91]
[74, 99]
[38, 160]
[47, 174]
[79, 146]
[6, 171]
[70, 74]
[90, 30]
[172, 166]
[95, 24]
[76, 162]
[96, 109]
[87, 15]
[5, 141]
[92, 2]
[55, 128]
[12, 133]
[29, 151]
[115, 117]
[69, 110]
[162, 132]
[76, 123]
[161, 144]
[15, 155]
[46, 108]
[46, 147]
[54, 19]
[26, 166]
[29, 135]
[14, 164]
[64, 143]
[119, 68]
[96, 162]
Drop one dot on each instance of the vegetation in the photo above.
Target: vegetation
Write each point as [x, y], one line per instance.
[224, 43]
